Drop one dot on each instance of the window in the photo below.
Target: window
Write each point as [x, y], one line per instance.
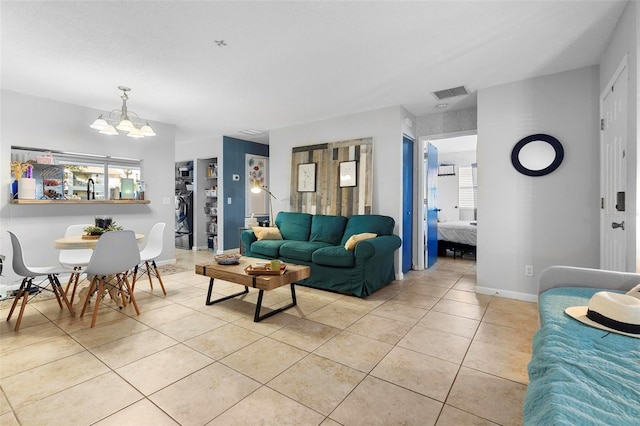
[77, 175]
[468, 191]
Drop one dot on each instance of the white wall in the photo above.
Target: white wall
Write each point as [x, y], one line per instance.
[540, 221]
[448, 123]
[41, 123]
[207, 148]
[625, 40]
[386, 128]
[461, 158]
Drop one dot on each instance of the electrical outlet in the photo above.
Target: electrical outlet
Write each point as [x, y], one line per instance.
[528, 270]
[166, 200]
[228, 200]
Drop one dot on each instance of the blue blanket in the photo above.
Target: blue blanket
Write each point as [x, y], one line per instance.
[580, 375]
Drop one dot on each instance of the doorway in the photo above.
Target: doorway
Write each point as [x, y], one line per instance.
[407, 203]
[454, 196]
[183, 226]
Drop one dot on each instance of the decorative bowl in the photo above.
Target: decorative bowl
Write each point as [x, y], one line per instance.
[227, 259]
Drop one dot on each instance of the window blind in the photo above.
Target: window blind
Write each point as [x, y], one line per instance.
[468, 187]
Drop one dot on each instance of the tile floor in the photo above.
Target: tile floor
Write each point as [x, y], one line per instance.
[426, 350]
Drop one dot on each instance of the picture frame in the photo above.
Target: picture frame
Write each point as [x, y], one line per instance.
[348, 174]
[307, 177]
[256, 169]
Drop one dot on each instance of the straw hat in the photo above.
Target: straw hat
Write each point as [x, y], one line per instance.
[614, 312]
[635, 292]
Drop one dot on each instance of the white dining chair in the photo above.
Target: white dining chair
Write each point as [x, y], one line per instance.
[29, 273]
[115, 254]
[151, 250]
[74, 259]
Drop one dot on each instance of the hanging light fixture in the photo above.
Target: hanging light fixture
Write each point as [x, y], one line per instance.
[120, 119]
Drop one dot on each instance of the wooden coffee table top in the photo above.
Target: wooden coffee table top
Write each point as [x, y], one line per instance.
[237, 275]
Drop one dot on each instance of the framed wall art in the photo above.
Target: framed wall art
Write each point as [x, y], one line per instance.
[307, 177]
[331, 197]
[348, 174]
[256, 169]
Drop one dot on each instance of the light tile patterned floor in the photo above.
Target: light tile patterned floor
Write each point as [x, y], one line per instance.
[422, 351]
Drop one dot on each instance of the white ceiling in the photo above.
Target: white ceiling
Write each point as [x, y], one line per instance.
[287, 63]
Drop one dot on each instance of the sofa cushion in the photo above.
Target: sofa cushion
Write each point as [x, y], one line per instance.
[294, 226]
[327, 228]
[300, 250]
[267, 233]
[333, 256]
[356, 238]
[268, 248]
[377, 224]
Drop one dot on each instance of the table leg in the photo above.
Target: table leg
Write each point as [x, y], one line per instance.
[211, 302]
[258, 318]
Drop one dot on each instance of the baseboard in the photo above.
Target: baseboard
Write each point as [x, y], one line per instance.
[525, 297]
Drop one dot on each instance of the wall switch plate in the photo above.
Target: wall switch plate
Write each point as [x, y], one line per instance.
[528, 270]
[236, 177]
[229, 200]
[166, 200]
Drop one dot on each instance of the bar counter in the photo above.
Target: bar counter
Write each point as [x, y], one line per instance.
[26, 201]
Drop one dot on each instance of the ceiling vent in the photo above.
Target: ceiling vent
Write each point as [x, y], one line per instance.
[451, 93]
[251, 132]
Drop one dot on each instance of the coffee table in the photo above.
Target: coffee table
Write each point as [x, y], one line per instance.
[236, 274]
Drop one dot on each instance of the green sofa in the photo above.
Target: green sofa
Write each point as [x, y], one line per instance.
[318, 241]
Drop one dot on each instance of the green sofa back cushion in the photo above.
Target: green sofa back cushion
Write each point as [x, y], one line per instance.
[377, 224]
[327, 229]
[294, 226]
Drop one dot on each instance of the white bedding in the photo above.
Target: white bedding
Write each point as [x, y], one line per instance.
[458, 232]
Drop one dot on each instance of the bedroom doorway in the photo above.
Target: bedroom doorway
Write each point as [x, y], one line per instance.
[455, 196]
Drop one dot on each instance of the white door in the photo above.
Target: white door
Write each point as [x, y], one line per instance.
[613, 174]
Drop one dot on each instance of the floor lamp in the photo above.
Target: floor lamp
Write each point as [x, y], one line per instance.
[256, 188]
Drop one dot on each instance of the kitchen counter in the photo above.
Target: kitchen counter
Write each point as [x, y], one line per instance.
[25, 201]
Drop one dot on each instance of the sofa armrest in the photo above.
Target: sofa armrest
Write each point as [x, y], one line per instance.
[377, 246]
[248, 237]
[571, 276]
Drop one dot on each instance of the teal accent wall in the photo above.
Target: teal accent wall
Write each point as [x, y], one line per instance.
[233, 154]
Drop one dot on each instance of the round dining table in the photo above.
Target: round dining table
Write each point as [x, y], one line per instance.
[77, 242]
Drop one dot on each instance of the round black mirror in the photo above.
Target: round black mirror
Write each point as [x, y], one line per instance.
[537, 155]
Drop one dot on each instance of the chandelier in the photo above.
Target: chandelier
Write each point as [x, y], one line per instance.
[120, 119]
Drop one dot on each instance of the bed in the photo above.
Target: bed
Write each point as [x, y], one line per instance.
[458, 236]
[579, 375]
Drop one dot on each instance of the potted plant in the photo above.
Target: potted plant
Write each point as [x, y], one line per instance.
[94, 232]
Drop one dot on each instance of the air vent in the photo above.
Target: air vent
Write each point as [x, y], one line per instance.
[451, 93]
[251, 132]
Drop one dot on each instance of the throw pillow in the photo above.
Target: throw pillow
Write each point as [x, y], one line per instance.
[267, 233]
[355, 239]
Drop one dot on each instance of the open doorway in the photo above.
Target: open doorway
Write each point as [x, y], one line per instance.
[455, 197]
